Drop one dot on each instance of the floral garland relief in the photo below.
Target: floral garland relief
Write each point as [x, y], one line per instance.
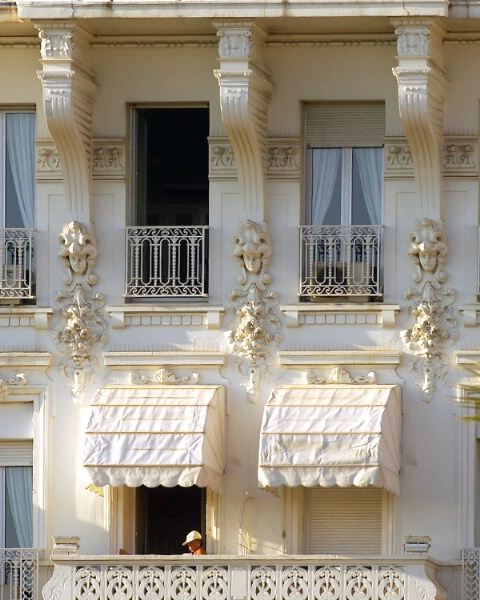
[433, 325]
[256, 327]
[82, 326]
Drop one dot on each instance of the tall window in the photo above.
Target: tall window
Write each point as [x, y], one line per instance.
[167, 245]
[16, 489]
[341, 240]
[17, 169]
[345, 167]
[171, 179]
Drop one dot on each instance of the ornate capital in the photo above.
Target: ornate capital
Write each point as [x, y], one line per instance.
[245, 93]
[68, 94]
[421, 94]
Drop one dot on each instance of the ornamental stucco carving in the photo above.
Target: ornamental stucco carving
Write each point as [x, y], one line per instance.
[433, 325]
[339, 375]
[257, 328]
[82, 328]
[18, 380]
[163, 377]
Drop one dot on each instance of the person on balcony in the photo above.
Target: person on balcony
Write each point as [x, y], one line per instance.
[194, 542]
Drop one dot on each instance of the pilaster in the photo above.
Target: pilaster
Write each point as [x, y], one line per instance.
[68, 94]
[245, 92]
[421, 94]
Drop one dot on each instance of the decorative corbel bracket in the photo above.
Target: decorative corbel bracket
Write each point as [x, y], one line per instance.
[422, 87]
[68, 95]
[245, 92]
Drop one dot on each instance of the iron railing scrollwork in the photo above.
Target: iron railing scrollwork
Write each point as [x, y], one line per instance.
[166, 262]
[341, 261]
[16, 264]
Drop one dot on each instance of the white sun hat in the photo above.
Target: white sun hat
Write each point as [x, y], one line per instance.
[193, 535]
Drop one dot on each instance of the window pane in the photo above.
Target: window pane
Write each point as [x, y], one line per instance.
[18, 507]
[366, 186]
[326, 186]
[20, 170]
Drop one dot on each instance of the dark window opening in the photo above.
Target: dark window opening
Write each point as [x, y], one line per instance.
[164, 516]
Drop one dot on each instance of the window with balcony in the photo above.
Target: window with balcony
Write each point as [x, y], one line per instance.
[341, 242]
[17, 205]
[167, 245]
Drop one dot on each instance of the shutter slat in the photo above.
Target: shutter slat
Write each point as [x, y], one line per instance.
[344, 124]
[16, 453]
[345, 521]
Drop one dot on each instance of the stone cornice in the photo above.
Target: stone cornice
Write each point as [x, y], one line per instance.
[163, 315]
[25, 360]
[304, 359]
[155, 359]
[340, 314]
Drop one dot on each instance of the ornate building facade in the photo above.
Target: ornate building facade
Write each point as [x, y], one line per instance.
[239, 291]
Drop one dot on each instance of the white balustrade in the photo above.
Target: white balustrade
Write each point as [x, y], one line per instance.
[166, 262]
[16, 272]
[240, 578]
[471, 573]
[340, 260]
[18, 574]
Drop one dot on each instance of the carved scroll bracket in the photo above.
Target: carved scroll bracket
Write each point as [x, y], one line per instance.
[82, 328]
[422, 88]
[433, 325]
[68, 95]
[245, 92]
[257, 328]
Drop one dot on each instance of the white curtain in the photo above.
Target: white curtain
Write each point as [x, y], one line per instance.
[325, 164]
[370, 169]
[20, 488]
[20, 137]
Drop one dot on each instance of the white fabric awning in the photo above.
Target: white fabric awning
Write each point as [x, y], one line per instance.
[156, 435]
[345, 435]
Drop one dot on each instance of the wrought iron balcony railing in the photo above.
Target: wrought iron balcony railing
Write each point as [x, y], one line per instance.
[166, 262]
[18, 574]
[236, 577]
[16, 264]
[340, 261]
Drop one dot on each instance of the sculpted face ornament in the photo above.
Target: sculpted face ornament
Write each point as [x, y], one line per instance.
[78, 252]
[428, 248]
[252, 252]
